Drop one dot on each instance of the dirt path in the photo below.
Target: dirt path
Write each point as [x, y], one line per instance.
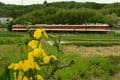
[93, 51]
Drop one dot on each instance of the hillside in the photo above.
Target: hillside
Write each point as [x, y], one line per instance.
[18, 10]
[63, 13]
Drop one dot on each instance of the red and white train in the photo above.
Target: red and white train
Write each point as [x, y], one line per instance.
[67, 28]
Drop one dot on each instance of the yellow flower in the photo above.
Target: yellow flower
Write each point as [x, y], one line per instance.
[46, 60]
[30, 56]
[26, 65]
[45, 34]
[39, 77]
[36, 66]
[16, 67]
[38, 33]
[33, 44]
[43, 53]
[31, 78]
[11, 66]
[20, 74]
[40, 45]
[54, 57]
[32, 65]
[36, 52]
[25, 78]
[15, 76]
[20, 64]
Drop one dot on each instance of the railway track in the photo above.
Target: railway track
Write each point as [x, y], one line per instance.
[105, 40]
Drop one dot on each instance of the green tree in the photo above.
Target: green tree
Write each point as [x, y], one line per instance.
[112, 19]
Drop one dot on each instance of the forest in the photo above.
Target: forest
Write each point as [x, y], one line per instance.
[63, 13]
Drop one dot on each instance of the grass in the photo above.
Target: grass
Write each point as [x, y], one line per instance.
[98, 66]
[90, 36]
[10, 34]
[90, 44]
[9, 54]
[3, 30]
[13, 37]
[10, 40]
[85, 68]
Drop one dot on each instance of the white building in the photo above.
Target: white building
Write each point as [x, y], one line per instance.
[5, 20]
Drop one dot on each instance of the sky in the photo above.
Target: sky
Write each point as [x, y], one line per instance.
[28, 2]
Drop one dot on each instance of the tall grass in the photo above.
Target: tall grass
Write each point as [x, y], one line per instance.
[87, 68]
[8, 54]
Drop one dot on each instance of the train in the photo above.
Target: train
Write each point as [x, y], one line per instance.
[65, 28]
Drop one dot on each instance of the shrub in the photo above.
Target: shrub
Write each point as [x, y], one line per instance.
[117, 33]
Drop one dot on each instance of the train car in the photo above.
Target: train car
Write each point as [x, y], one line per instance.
[66, 28]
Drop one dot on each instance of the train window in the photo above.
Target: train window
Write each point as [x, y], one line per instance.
[102, 27]
[49, 27]
[58, 27]
[97, 27]
[107, 27]
[92, 27]
[46, 27]
[53, 27]
[62, 27]
[70, 27]
[89, 27]
[78, 27]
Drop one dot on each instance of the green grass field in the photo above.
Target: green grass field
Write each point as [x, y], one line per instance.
[10, 34]
[101, 67]
[9, 54]
[90, 36]
[90, 44]
[85, 68]
[13, 37]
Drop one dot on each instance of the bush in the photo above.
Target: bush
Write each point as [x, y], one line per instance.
[88, 68]
[117, 33]
[3, 26]
[9, 27]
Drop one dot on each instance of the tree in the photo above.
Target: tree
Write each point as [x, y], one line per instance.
[112, 19]
[96, 19]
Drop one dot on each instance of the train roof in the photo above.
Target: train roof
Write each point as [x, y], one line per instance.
[66, 25]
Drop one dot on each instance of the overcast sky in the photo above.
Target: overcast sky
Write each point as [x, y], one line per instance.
[26, 2]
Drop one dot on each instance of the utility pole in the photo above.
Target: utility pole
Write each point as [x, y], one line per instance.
[45, 3]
